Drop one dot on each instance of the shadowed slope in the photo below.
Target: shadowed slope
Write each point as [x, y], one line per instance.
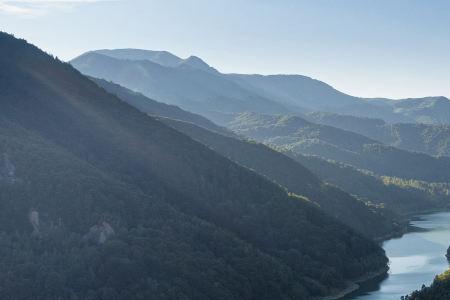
[188, 224]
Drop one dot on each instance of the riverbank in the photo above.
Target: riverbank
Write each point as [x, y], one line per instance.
[414, 259]
[411, 216]
[354, 285]
[396, 234]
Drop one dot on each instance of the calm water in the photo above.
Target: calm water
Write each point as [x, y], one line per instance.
[414, 258]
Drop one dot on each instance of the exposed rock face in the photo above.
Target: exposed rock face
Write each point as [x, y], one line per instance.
[34, 220]
[7, 170]
[100, 233]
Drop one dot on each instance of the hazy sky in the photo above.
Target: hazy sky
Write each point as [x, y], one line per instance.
[388, 48]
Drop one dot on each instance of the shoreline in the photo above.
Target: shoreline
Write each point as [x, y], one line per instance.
[354, 285]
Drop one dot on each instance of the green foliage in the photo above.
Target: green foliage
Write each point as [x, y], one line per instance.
[439, 289]
[295, 134]
[433, 139]
[188, 223]
[400, 195]
[297, 179]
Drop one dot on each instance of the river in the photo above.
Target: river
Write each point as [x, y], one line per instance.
[415, 259]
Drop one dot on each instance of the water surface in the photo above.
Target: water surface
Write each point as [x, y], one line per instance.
[415, 259]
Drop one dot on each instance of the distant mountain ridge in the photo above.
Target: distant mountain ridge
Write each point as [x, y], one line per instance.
[432, 139]
[296, 134]
[163, 58]
[215, 95]
[197, 90]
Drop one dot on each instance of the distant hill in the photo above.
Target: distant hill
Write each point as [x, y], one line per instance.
[194, 85]
[316, 95]
[433, 139]
[396, 194]
[428, 110]
[301, 136]
[101, 201]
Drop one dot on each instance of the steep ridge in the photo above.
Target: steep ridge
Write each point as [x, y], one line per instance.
[146, 211]
[274, 166]
[298, 135]
[299, 180]
[160, 109]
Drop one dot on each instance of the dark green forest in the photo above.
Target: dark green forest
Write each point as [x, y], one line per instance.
[108, 194]
[101, 201]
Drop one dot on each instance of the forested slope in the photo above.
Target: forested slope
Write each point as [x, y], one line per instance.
[433, 139]
[155, 108]
[276, 167]
[298, 135]
[396, 194]
[101, 201]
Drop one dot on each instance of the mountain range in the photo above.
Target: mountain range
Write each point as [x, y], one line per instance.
[100, 200]
[137, 174]
[193, 85]
[362, 161]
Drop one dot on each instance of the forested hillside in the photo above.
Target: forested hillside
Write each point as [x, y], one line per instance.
[273, 165]
[101, 201]
[396, 194]
[298, 135]
[156, 108]
[433, 139]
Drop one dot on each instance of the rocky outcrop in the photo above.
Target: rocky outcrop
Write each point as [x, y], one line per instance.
[7, 170]
[33, 217]
[100, 233]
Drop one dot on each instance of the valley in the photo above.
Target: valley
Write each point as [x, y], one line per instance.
[362, 171]
[415, 259]
[134, 174]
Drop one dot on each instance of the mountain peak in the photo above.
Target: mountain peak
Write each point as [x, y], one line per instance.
[164, 58]
[197, 63]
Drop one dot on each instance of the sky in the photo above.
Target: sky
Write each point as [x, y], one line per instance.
[367, 48]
